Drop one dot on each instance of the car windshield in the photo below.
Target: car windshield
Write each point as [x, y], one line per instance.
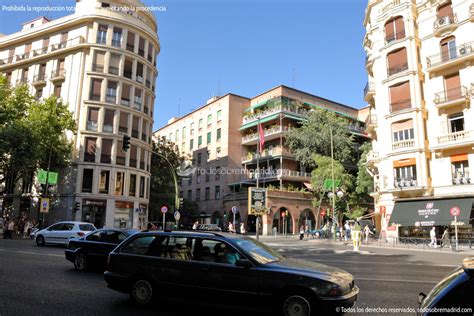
[86, 227]
[258, 251]
[442, 285]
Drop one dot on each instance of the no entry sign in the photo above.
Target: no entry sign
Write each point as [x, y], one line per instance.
[455, 211]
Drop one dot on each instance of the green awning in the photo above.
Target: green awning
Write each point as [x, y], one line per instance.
[263, 120]
[431, 212]
[256, 105]
[295, 116]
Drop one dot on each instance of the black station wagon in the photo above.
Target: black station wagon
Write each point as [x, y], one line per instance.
[226, 268]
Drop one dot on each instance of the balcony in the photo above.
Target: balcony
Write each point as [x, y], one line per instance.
[371, 122]
[455, 56]
[393, 70]
[267, 153]
[373, 157]
[403, 144]
[39, 80]
[452, 140]
[451, 97]
[284, 174]
[369, 91]
[58, 75]
[445, 24]
[42, 51]
[461, 178]
[405, 183]
[276, 109]
[269, 134]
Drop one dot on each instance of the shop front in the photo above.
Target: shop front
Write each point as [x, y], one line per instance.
[123, 215]
[416, 218]
[93, 211]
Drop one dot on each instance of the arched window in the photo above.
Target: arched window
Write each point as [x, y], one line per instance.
[397, 61]
[394, 29]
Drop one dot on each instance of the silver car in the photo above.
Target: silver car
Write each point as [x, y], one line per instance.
[61, 232]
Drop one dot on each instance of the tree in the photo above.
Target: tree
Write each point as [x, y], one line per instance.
[162, 190]
[364, 181]
[30, 130]
[314, 136]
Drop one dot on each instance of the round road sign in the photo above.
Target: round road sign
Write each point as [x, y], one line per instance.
[164, 209]
[177, 215]
[455, 211]
[323, 213]
[235, 209]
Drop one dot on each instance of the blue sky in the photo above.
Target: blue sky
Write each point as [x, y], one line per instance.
[247, 46]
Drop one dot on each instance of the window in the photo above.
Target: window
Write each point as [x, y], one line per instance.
[57, 91]
[96, 85]
[125, 100]
[119, 182]
[104, 182]
[98, 65]
[150, 52]
[147, 103]
[199, 158]
[139, 72]
[132, 185]
[176, 136]
[400, 98]
[90, 146]
[403, 131]
[92, 118]
[209, 119]
[218, 134]
[24, 76]
[140, 245]
[144, 131]
[191, 144]
[394, 29]
[135, 126]
[397, 61]
[114, 63]
[190, 180]
[217, 192]
[38, 94]
[445, 11]
[133, 156]
[102, 34]
[117, 37]
[198, 178]
[405, 176]
[209, 138]
[148, 77]
[460, 169]
[453, 89]
[198, 194]
[218, 173]
[130, 41]
[448, 48]
[108, 126]
[218, 152]
[456, 122]
[199, 141]
[106, 151]
[141, 192]
[120, 155]
[141, 47]
[142, 158]
[183, 132]
[208, 175]
[138, 99]
[111, 95]
[200, 124]
[87, 179]
[42, 73]
[219, 115]
[191, 132]
[127, 68]
[207, 193]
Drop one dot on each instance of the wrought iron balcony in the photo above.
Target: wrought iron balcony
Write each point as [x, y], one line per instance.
[452, 96]
[369, 91]
[39, 79]
[445, 23]
[58, 74]
[395, 69]
[400, 105]
[451, 56]
[393, 37]
[273, 152]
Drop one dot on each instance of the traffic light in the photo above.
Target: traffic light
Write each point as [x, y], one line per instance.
[77, 208]
[125, 143]
[181, 203]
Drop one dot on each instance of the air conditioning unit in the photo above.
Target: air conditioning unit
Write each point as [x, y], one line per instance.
[462, 50]
[444, 21]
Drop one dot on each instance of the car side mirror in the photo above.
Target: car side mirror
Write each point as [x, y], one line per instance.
[421, 297]
[244, 263]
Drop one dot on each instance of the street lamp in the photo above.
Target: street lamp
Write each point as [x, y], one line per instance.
[332, 195]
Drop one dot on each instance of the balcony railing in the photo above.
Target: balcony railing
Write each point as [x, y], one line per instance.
[451, 95]
[275, 109]
[39, 79]
[408, 143]
[371, 120]
[395, 69]
[369, 90]
[58, 74]
[461, 178]
[451, 54]
[400, 105]
[455, 137]
[266, 132]
[444, 21]
[394, 37]
[91, 126]
[405, 183]
[277, 173]
[42, 51]
[108, 128]
[275, 151]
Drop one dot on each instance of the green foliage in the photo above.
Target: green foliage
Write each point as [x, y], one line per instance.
[30, 130]
[324, 166]
[355, 213]
[364, 182]
[314, 136]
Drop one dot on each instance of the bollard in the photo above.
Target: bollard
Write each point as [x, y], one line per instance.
[356, 239]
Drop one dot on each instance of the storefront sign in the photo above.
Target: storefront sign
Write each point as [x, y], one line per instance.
[99, 203]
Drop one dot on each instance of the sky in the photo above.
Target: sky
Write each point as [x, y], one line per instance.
[245, 47]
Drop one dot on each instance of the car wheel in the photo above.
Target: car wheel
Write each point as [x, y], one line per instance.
[141, 292]
[40, 240]
[296, 305]
[80, 262]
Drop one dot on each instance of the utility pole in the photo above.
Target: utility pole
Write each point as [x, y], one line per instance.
[257, 220]
[333, 186]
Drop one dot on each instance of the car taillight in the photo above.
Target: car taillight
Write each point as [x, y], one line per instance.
[80, 234]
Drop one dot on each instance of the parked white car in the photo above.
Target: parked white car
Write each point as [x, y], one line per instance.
[61, 232]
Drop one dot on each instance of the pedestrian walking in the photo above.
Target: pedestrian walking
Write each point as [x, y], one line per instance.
[301, 232]
[433, 237]
[27, 228]
[348, 231]
[367, 233]
[446, 238]
[242, 228]
[230, 228]
[10, 227]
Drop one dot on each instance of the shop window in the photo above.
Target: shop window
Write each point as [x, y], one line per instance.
[104, 182]
[119, 182]
[87, 179]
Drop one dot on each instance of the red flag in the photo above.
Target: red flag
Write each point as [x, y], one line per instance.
[261, 137]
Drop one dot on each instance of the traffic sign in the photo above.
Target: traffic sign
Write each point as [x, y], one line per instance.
[329, 184]
[44, 205]
[177, 215]
[53, 178]
[323, 212]
[455, 211]
[164, 209]
[235, 209]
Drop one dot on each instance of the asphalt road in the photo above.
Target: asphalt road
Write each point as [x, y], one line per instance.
[39, 281]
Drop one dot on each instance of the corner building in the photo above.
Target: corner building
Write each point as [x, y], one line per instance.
[101, 61]
[420, 67]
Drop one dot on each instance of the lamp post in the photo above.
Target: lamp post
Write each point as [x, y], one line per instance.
[332, 196]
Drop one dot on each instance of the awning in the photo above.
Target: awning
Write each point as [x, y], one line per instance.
[256, 105]
[255, 123]
[431, 212]
[308, 185]
[295, 116]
